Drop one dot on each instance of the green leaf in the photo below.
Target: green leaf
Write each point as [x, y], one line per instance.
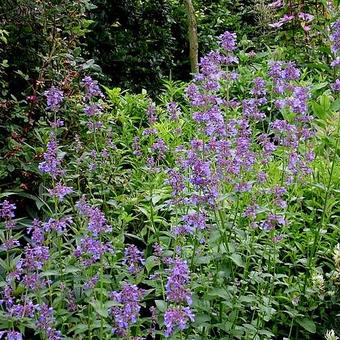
[50, 273]
[219, 292]
[307, 324]
[336, 105]
[237, 259]
[99, 308]
[151, 262]
[161, 305]
[71, 269]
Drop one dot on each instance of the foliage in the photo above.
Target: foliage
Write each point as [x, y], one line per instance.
[211, 214]
[139, 43]
[41, 48]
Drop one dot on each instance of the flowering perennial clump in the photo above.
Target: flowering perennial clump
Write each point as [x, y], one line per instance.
[178, 220]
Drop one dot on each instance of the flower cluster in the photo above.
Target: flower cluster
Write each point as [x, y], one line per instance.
[127, 312]
[133, 259]
[54, 98]
[60, 191]
[52, 161]
[178, 293]
[97, 223]
[7, 213]
[91, 250]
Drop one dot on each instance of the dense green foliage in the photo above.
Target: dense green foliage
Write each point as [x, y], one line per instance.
[149, 205]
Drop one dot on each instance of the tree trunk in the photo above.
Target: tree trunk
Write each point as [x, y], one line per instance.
[192, 35]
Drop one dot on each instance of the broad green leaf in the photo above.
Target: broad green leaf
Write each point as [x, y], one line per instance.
[237, 259]
[307, 324]
[99, 308]
[161, 305]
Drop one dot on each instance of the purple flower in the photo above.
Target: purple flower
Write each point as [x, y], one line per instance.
[11, 335]
[37, 231]
[335, 62]
[10, 244]
[275, 69]
[7, 213]
[35, 257]
[54, 98]
[97, 223]
[60, 191]
[27, 309]
[276, 4]
[243, 187]
[93, 126]
[33, 281]
[91, 87]
[45, 322]
[93, 109]
[291, 72]
[133, 259]
[52, 163]
[58, 225]
[306, 17]
[335, 36]
[91, 283]
[251, 211]
[251, 110]
[159, 146]
[195, 220]
[173, 110]
[151, 112]
[277, 24]
[228, 41]
[259, 88]
[157, 250]
[287, 18]
[176, 181]
[91, 250]
[128, 310]
[336, 86]
[136, 147]
[7, 210]
[272, 221]
[176, 290]
[177, 316]
[57, 123]
[149, 132]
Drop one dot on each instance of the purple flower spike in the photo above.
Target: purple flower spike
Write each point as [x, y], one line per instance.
[178, 316]
[133, 258]
[51, 164]
[228, 41]
[54, 98]
[92, 88]
[336, 86]
[176, 290]
[128, 311]
[60, 191]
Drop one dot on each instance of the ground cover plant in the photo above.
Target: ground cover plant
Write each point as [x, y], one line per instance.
[211, 212]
